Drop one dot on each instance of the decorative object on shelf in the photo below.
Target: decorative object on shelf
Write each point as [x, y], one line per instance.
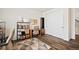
[26, 20]
[20, 19]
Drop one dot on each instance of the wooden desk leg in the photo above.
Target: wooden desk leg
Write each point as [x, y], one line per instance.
[31, 34]
[42, 31]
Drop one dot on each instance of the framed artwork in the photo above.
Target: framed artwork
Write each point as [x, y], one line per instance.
[34, 21]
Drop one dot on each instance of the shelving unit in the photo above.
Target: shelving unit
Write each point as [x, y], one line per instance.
[2, 32]
[23, 30]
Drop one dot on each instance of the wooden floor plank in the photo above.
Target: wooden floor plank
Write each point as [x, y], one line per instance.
[57, 43]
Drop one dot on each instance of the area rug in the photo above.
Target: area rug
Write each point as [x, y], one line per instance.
[31, 44]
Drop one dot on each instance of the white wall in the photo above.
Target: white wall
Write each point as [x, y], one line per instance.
[77, 27]
[66, 24]
[63, 23]
[77, 13]
[77, 21]
[72, 23]
[1, 14]
[54, 22]
[12, 14]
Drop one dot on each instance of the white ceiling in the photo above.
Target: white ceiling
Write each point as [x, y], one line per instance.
[42, 9]
[37, 9]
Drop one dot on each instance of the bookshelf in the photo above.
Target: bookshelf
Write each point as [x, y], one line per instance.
[23, 30]
[2, 32]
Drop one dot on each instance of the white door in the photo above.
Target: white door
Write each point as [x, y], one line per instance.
[54, 23]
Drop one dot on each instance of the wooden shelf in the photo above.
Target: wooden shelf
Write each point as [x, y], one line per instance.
[2, 32]
[21, 30]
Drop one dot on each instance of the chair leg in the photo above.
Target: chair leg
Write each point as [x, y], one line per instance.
[10, 46]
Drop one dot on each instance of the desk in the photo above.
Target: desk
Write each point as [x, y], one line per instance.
[38, 32]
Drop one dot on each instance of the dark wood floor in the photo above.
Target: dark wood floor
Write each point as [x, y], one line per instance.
[76, 39]
[59, 44]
